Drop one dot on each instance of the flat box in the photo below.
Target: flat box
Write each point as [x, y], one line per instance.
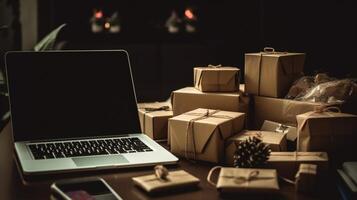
[271, 74]
[189, 98]
[153, 119]
[196, 135]
[216, 79]
[276, 141]
[174, 180]
[236, 180]
[287, 163]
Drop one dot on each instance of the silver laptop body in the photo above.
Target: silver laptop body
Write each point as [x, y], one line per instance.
[66, 100]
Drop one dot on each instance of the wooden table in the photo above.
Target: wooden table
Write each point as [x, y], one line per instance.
[13, 186]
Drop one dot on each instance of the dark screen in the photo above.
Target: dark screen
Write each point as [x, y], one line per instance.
[71, 94]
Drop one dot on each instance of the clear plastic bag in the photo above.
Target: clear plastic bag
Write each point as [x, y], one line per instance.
[300, 86]
[336, 91]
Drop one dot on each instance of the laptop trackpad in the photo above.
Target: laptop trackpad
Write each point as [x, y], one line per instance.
[100, 160]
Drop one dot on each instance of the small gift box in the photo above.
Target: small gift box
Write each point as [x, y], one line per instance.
[271, 73]
[189, 98]
[216, 78]
[200, 134]
[306, 178]
[276, 141]
[153, 119]
[173, 180]
[287, 163]
[290, 131]
[244, 180]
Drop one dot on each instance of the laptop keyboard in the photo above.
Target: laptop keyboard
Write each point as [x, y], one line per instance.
[75, 148]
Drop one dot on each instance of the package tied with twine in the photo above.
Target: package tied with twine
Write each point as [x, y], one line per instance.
[190, 98]
[327, 129]
[167, 181]
[287, 163]
[216, 78]
[200, 134]
[271, 73]
[276, 142]
[245, 180]
[153, 119]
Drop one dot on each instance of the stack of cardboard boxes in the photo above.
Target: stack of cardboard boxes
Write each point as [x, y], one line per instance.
[205, 122]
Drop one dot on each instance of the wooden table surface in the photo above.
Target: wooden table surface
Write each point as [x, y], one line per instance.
[13, 186]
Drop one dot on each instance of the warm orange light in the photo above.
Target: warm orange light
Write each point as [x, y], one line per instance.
[98, 14]
[189, 14]
[107, 25]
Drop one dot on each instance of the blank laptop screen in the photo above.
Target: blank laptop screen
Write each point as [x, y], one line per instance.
[68, 94]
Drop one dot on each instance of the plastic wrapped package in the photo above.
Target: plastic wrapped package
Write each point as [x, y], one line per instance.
[300, 86]
[336, 91]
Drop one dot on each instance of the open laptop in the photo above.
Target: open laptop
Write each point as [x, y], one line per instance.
[76, 110]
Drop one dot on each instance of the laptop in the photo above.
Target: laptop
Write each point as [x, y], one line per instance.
[77, 110]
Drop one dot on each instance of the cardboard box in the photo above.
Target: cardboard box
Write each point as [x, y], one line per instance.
[276, 141]
[216, 79]
[290, 131]
[280, 110]
[245, 180]
[271, 74]
[335, 133]
[287, 163]
[153, 119]
[189, 98]
[200, 134]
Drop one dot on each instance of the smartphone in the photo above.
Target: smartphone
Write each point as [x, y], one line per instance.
[84, 189]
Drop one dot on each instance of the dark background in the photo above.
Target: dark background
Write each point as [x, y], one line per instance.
[325, 29]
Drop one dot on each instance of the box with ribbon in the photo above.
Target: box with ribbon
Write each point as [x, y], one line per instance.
[276, 141]
[190, 98]
[290, 131]
[245, 180]
[287, 163]
[200, 134]
[271, 73]
[216, 78]
[153, 119]
[327, 130]
[306, 178]
[163, 180]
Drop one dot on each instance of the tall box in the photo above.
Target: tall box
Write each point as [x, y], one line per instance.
[272, 73]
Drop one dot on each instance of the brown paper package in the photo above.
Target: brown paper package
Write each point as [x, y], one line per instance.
[154, 123]
[189, 98]
[335, 133]
[287, 163]
[290, 131]
[235, 180]
[216, 79]
[175, 180]
[209, 134]
[280, 110]
[276, 141]
[306, 178]
[271, 74]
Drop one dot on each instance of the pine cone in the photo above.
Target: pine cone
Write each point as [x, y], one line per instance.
[251, 153]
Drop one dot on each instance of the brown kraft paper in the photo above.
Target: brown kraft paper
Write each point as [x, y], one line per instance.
[216, 78]
[200, 136]
[271, 73]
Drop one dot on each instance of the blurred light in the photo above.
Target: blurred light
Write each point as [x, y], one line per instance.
[189, 14]
[98, 14]
[107, 25]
